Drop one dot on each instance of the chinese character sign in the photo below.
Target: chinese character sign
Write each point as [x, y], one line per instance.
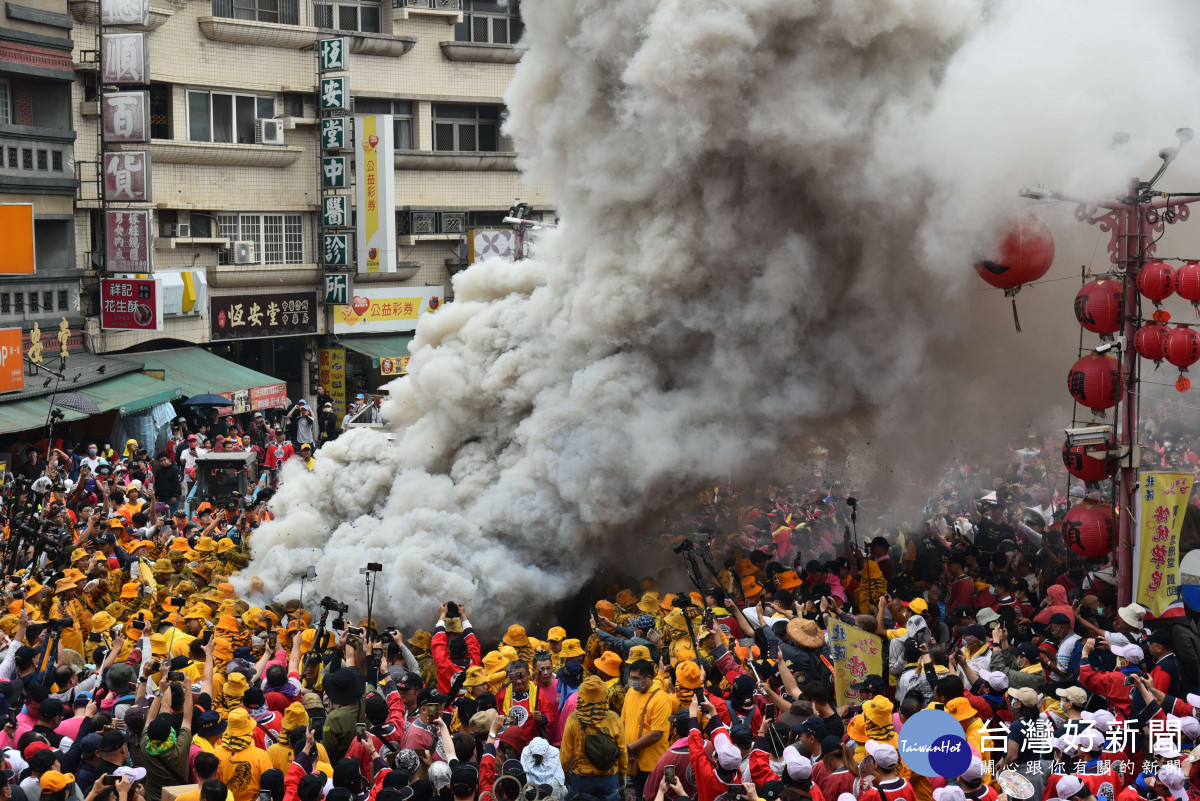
[126, 116]
[856, 654]
[1161, 505]
[124, 12]
[335, 250]
[375, 194]
[130, 304]
[331, 372]
[335, 94]
[335, 211]
[333, 172]
[126, 59]
[127, 245]
[333, 133]
[127, 176]
[266, 314]
[333, 54]
[337, 289]
[393, 365]
[372, 311]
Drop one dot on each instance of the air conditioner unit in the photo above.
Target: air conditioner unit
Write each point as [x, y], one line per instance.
[422, 222]
[453, 222]
[268, 132]
[243, 252]
[181, 230]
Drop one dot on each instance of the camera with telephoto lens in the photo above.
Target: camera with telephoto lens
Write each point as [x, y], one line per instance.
[330, 605]
[60, 623]
[683, 545]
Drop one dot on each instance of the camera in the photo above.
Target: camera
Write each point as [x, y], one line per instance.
[354, 630]
[330, 605]
[338, 624]
[452, 609]
[140, 625]
[682, 546]
[60, 623]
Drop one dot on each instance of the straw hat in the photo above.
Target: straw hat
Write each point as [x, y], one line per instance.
[806, 633]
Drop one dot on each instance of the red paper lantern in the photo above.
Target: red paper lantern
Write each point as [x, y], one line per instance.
[1156, 281]
[1085, 467]
[1093, 381]
[1183, 347]
[1187, 282]
[1099, 304]
[1150, 341]
[1087, 529]
[1024, 254]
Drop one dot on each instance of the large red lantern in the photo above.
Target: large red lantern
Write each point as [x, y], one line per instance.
[1087, 529]
[1150, 341]
[1093, 381]
[1156, 281]
[1099, 304]
[1187, 282]
[1085, 467]
[1183, 347]
[1024, 254]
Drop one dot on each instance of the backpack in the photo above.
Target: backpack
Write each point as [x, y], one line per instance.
[601, 749]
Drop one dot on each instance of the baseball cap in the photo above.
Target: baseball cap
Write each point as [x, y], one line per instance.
[1026, 695]
[874, 684]
[1070, 787]
[997, 680]
[1059, 619]
[885, 755]
[1027, 650]
[974, 771]
[1130, 653]
[1076, 695]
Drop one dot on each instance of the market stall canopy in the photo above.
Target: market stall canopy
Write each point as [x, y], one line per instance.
[197, 372]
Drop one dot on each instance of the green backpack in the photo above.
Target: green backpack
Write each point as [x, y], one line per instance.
[601, 750]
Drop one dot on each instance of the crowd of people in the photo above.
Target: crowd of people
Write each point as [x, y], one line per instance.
[131, 669]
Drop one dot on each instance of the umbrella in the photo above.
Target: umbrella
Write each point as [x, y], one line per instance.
[208, 400]
[75, 402]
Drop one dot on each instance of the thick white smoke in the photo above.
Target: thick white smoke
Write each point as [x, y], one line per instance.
[769, 212]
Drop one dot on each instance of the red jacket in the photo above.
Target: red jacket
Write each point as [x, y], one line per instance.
[446, 667]
[1110, 684]
[708, 785]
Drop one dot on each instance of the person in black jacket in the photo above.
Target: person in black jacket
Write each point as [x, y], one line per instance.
[168, 481]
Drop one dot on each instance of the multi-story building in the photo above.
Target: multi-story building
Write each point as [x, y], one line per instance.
[236, 203]
[37, 162]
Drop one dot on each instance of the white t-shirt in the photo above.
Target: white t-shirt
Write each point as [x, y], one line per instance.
[91, 461]
[189, 459]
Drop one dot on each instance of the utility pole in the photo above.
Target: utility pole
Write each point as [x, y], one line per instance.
[1134, 222]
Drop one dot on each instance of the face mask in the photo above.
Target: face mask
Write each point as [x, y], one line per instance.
[91, 451]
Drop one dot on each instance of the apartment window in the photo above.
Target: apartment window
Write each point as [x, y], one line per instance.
[5, 102]
[286, 12]
[48, 300]
[465, 128]
[5, 303]
[43, 160]
[26, 158]
[18, 302]
[226, 117]
[277, 238]
[63, 300]
[56, 160]
[202, 224]
[293, 104]
[402, 118]
[490, 22]
[160, 111]
[361, 16]
[33, 302]
[12, 158]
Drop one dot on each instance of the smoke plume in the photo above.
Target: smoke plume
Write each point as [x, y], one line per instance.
[770, 209]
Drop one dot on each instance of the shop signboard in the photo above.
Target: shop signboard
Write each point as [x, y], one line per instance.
[131, 304]
[262, 314]
[386, 309]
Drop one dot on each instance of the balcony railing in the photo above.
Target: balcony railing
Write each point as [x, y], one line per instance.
[35, 156]
[430, 5]
[284, 12]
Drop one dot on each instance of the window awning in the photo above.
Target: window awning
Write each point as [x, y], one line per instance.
[124, 394]
[196, 372]
[27, 414]
[382, 347]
